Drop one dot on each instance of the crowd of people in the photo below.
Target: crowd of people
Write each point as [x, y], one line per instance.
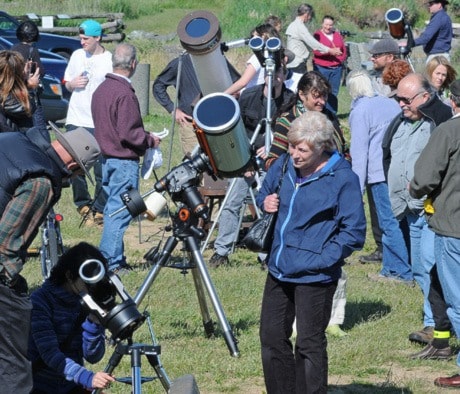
[402, 155]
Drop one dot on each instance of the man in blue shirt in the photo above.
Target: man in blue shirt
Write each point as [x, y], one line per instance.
[437, 37]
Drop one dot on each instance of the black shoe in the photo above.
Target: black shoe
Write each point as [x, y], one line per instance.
[375, 257]
[217, 260]
[429, 352]
[424, 336]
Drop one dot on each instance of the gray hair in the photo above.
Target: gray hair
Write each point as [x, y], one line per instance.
[315, 129]
[359, 84]
[123, 56]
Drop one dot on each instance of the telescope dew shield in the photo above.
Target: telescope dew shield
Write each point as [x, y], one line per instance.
[395, 20]
[222, 134]
[199, 33]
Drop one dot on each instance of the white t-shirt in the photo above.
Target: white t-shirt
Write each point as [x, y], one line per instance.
[96, 67]
[259, 78]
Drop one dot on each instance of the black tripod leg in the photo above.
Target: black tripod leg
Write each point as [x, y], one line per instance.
[225, 326]
[170, 244]
[154, 361]
[114, 360]
[208, 324]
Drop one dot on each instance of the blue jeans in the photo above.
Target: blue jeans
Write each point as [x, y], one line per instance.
[302, 369]
[395, 260]
[119, 175]
[422, 258]
[334, 77]
[447, 252]
[81, 195]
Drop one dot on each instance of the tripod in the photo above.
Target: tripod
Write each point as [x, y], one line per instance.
[185, 230]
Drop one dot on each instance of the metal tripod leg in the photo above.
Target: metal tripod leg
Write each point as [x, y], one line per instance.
[197, 257]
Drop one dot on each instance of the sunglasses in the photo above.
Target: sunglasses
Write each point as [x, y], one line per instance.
[405, 100]
[378, 55]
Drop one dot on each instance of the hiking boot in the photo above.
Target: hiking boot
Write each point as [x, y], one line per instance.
[98, 219]
[335, 331]
[424, 336]
[429, 352]
[86, 215]
[373, 258]
[390, 279]
[217, 260]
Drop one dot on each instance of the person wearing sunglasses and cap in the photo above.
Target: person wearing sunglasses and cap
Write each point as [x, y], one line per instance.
[406, 136]
[34, 172]
[436, 39]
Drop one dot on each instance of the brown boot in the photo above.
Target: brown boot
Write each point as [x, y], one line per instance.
[98, 219]
[86, 214]
[424, 336]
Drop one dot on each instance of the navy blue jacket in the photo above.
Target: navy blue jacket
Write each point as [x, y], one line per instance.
[437, 36]
[320, 221]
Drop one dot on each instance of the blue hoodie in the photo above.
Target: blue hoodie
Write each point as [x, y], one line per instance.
[320, 221]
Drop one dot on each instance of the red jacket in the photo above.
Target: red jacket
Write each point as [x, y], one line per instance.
[326, 59]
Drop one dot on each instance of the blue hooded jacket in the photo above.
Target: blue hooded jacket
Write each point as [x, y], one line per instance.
[320, 221]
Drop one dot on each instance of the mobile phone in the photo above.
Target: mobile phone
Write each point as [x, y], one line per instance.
[33, 67]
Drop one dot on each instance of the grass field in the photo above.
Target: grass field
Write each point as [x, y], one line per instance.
[373, 358]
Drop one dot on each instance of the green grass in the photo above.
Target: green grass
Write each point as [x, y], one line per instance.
[373, 358]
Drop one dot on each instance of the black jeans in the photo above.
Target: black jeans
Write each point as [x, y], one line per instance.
[305, 369]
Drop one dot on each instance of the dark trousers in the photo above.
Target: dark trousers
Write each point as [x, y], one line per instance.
[81, 195]
[376, 231]
[15, 368]
[303, 370]
[437, 303]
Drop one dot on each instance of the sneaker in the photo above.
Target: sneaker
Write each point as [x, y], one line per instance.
[373, 258]
[424, 336]
[390, 279]
[335, 331]
[121, 269]
[217, 260]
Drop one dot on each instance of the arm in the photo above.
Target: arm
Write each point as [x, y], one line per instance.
[93, 341]
[248, 74]
[280, 141]
[359, 144]
[428, 34]
[431, 165]
[168, 77]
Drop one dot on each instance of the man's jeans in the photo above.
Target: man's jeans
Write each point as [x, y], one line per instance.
[118, 177]
[395, 260]
[447, 252]
[422, 259]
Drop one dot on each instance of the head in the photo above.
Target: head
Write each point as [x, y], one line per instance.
[124, 59]
[384, 52]
[359, 84]
[67, 267]
[327, 25]
[455, 95]
[440, 73]
[305, 12]
[436, 5]
[12, 77]
[265, 31]
[90, 32]
[313, 90]
[413, 91]
[275, 21]
[394, 72]
[27, 32]
[77, 148]
[309, 136]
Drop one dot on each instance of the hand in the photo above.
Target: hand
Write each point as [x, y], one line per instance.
[271, 203]
[157, 141]
[101, 380]
[34, 79]
[182, 118]
[261, 152]
[335, 52]
[79, 82]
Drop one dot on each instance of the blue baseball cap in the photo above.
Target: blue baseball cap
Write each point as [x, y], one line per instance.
[91, 28]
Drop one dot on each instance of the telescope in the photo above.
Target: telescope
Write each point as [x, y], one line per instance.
[399, 28]
[103, 287]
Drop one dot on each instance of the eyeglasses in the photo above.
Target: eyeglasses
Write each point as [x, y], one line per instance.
[378, 55]
[405, 100]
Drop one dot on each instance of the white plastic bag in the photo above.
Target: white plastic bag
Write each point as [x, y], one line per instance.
[153, 157]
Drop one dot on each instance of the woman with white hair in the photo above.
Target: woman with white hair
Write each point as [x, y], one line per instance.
[369, 118]
[320, 222]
